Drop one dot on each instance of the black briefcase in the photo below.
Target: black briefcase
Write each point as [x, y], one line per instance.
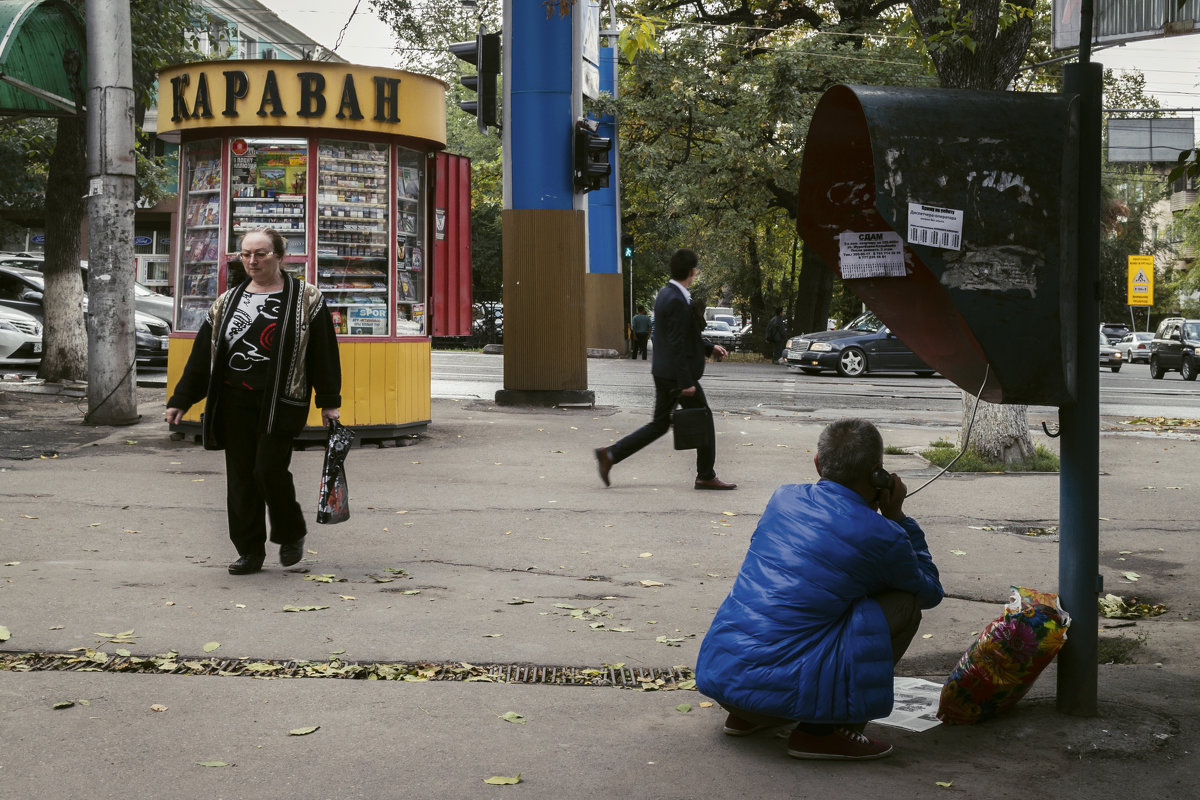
[693, 428]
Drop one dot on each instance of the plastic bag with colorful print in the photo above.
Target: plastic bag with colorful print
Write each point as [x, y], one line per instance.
[998, 669]
[333, 500]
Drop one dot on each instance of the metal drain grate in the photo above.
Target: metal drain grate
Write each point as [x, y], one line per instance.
[613, 675]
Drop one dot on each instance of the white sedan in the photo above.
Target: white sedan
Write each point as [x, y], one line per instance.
[720, 333]
[20, 338]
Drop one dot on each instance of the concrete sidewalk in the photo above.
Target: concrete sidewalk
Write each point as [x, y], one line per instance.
[492, 542]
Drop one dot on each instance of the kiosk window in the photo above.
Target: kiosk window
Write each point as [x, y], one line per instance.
[352, 234]
[268, 183]
[410, 242]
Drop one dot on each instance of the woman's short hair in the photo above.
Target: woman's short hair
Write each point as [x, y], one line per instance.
[848, 450]
[278, 243]
[683, 261]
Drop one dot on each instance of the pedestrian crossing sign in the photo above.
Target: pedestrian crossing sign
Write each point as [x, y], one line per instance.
[1141, 280]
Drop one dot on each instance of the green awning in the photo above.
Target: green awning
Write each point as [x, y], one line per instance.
[35, 38]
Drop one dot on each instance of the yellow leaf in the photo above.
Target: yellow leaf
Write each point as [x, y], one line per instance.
[729, 513]
[651, 583]
[706, 704]
[158, 707]
[208, 648]
[500, 780]
[26, 516]
[347, 597]
[645, 555]
[944, 784]
[304, 731]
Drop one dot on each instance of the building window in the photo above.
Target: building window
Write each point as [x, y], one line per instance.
[218, 35]
[247, 45]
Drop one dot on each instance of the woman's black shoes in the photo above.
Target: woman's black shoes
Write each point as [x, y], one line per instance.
[290, 554]
[246, 565]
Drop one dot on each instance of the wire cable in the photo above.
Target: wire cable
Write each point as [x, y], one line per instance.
[966, 439]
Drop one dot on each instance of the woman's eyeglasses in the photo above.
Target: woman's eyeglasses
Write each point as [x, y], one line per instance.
[257, 254]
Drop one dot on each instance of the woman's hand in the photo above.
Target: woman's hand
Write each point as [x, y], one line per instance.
[328, 415]
[174, 415]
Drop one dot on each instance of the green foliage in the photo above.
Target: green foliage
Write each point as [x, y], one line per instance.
[941, 453]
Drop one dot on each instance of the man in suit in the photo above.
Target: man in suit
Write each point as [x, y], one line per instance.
[677, 366]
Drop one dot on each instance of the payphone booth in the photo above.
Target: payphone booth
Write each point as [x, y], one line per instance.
[952, 214]
[346, 163]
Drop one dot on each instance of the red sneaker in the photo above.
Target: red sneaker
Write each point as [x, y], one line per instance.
[841, 745]
[736, 726]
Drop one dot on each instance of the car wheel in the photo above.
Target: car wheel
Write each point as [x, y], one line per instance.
[1117, 368]
[810, 371]
[1156, 371]
[1186, 370]
[852, 363]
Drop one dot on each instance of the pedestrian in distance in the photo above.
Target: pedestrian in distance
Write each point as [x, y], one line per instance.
[264, 346]
[826, 602]
[677, 366]
[640, 328]
[777, 334]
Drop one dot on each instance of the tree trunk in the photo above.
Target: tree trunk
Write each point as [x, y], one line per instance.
[813, 294]
[999, 433]
[65, 337]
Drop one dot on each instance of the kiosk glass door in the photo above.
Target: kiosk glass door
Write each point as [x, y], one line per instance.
[410, 242]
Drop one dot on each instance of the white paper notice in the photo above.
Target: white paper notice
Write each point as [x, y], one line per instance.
[936, 227]
[916, 705]
[871, 254]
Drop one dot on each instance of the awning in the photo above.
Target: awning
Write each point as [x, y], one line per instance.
[41, 42]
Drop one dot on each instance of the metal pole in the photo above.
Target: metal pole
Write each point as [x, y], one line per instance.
[1079, 482]
[112, 378]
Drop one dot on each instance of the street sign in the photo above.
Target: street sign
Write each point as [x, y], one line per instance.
[1141, 280]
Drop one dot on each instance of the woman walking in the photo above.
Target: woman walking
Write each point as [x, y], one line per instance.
[264, 347]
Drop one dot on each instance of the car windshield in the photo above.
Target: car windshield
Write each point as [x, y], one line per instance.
[1143, 336]
[868, 322]
[1191, 331]
[717, 325]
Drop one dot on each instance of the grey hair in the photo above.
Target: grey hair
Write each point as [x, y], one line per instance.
[848, 450]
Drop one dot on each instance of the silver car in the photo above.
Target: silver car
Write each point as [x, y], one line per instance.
[1136, 347]
[720, 333]
[20, 338]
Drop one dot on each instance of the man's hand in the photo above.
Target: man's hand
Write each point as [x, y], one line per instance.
[891, 501]
[174, 416]
[719, 352]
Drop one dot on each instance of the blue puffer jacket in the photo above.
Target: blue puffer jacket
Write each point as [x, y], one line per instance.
[798, 637]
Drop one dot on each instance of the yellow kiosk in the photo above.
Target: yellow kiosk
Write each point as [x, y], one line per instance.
[345, 161]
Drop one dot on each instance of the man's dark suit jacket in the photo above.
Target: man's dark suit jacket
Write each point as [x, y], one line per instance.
[679, 350]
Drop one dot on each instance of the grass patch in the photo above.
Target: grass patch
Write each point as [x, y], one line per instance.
[747, 358]
[941, 453]
[893, 450]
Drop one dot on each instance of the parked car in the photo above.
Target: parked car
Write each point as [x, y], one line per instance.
[864, 345]
[144, 299]
[20, 338]
[1114, 331]
[23, 289]
[1110, 356]
[720, 333]
[1136, 347]
[1176, 346]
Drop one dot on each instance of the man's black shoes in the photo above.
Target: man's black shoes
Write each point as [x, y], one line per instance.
[290, 554]
[604, 461]
[246, 565]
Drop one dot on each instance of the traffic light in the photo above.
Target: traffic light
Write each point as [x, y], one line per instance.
[627, 246]
[484, 54]
[592, 167]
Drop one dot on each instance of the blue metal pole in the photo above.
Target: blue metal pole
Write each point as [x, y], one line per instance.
[1079, 479]
[602, 203]
[540, 95]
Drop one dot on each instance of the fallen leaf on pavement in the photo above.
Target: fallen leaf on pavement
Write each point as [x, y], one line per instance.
[706, 704]
[516, 601]
[651, 583]
[645, 555]
[304, 731]
[944, 784]
[514, 717]
[208, 648]
[1131, 576]
[64, 704]
[158, 707]
[4, 634]
[959, 552]
[683, 708]
[211, 764]
[304, 608]
[500, 780]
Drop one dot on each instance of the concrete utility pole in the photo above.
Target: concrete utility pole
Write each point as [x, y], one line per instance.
[112, 377]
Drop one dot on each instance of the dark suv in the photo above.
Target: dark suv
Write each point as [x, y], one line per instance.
[1114, 331]
[1176, 346]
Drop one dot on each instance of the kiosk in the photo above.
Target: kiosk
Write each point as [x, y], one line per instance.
[345, 161]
